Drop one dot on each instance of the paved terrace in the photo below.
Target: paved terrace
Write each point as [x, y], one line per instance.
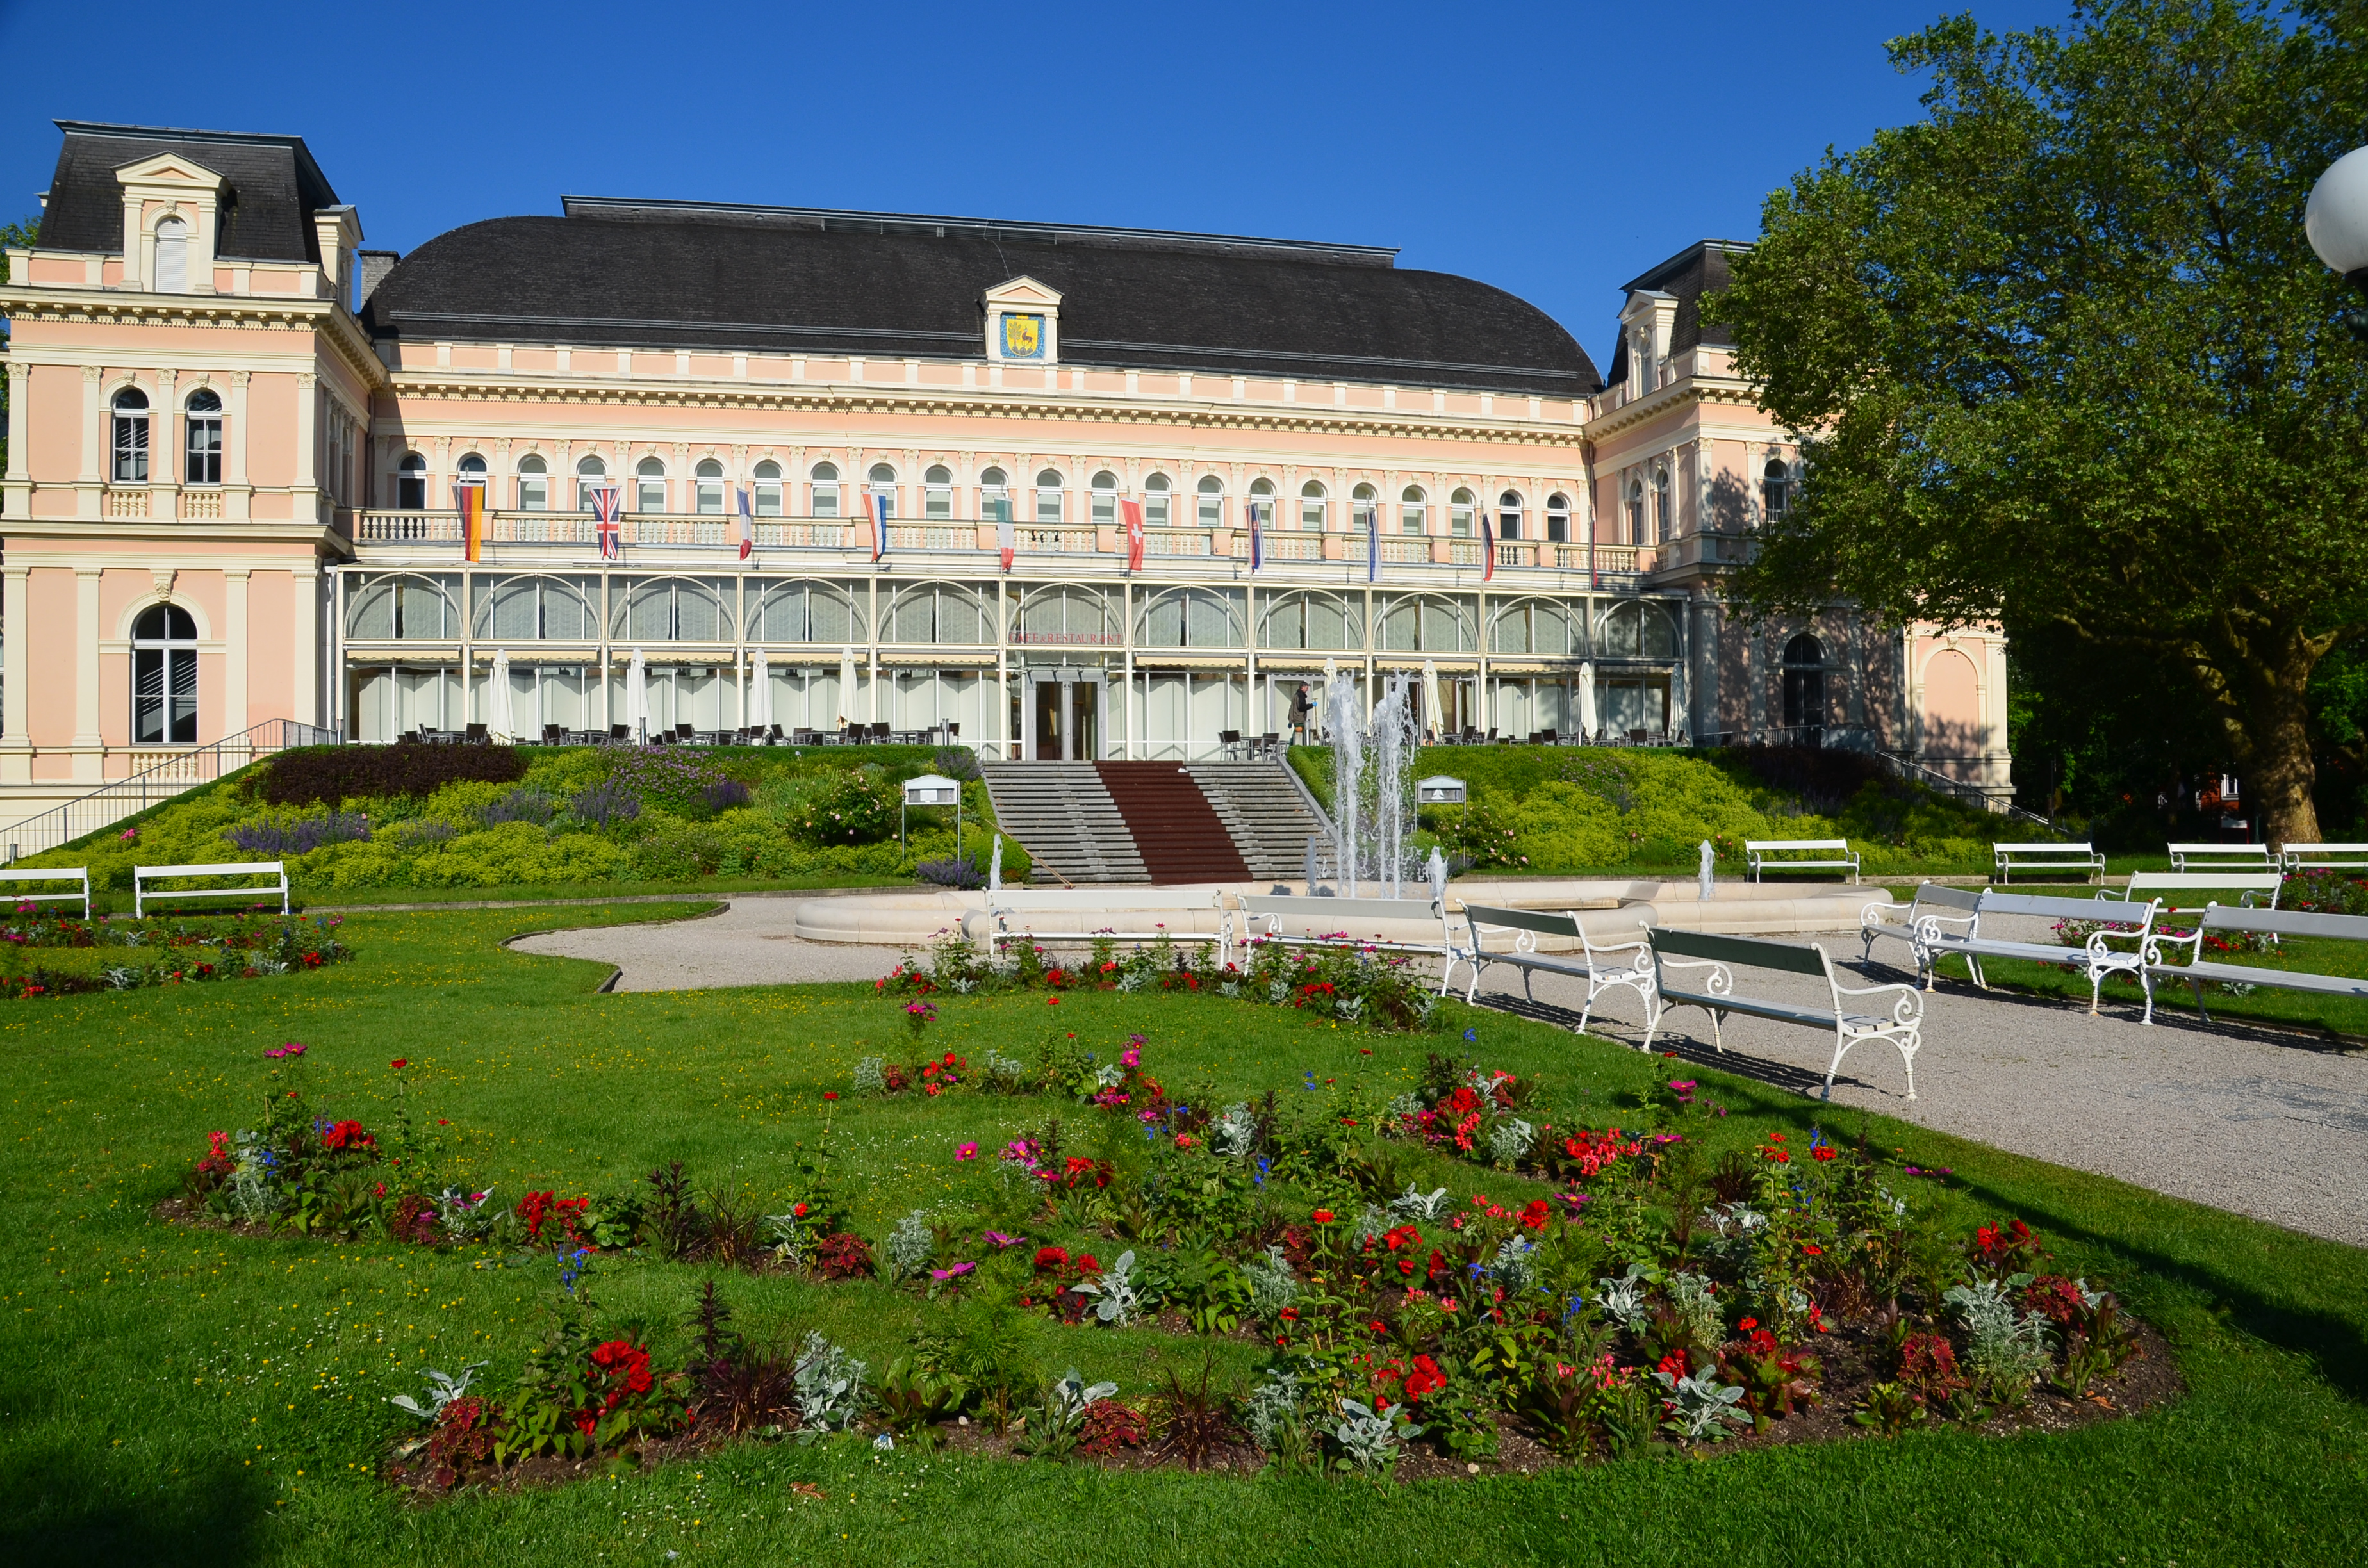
[2264, 1122]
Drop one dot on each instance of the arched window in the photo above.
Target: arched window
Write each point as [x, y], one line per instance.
[1558, 518]
[201, 460]
[1459, 513]
[1212, 493]
[1311, 506]
[591, 473]
[1413, 511]
[1509, 514]
[826, 490]
[1156, 512]
[1637, 534]
[1776, 490]
[470, 470]
[1805, 689]
[1662, 512]
[411, 482]
[1048, 497]
[131, 438]
[172, 257]
[649, 485]
[769, 489]
[1365, 507]
[1635, 629]
[533, 483]
[1105, 499]
[882, 481]
[164, 678]
[936, 493]
[709, 488]
[994, 495]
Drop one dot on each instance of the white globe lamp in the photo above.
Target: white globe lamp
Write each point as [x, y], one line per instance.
[2336, 218]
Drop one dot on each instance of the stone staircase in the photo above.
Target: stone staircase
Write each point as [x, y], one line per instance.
[1180, 838]
[1264, 809]
[1062, 813]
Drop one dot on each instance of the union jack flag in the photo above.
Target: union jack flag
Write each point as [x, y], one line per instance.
[604, 502]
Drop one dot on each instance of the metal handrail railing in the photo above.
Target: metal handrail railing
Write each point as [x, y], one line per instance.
[1972, 794]
[176, 775]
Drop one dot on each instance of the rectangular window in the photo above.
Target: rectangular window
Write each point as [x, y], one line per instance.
[936, 503]
[1048, 506]
[1212, 509]
[652, 497]
[1459, 521]
[1155, 509]
[131, 449]
[165, 696]
[769, 500]
[1410, 520]
[1105, 509]
[534, 494]
[710, 496]
[204, 466]
[825, 500]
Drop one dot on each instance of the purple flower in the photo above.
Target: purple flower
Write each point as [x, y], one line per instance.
[955, 1272]
[999, 1239]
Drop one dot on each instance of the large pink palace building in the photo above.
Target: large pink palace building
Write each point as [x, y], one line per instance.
[237, 440]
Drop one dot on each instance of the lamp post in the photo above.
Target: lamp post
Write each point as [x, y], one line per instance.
[1438, 789]
[2335, 220]
[931, 789]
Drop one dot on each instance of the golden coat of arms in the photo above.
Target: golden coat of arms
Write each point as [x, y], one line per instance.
[1023, 337]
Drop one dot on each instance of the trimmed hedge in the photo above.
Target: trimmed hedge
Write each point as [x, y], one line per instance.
[329, 775]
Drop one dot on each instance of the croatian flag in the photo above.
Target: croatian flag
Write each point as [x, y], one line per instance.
[1487, 550]
[1257, 545]
[1134, 511]
[469, 500]
[748, 527]
[875, 506]
[1006, 536]
[605, 498]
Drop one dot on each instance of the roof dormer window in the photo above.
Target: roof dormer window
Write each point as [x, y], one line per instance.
[172, 257]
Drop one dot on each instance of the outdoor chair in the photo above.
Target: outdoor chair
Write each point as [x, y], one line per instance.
[478, 736]
[618, 732]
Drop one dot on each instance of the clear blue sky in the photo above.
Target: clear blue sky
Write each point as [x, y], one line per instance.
[1553, 150]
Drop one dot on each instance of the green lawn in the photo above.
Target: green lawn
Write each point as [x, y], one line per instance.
[171, 1395]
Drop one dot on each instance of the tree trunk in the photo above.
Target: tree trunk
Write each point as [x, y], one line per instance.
[2266, 708]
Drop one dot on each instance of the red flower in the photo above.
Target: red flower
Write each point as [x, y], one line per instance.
[400, 1063]
[1426, 1378]
[798, 1209]
[1322, 1216]
[1087, 1263]
[1536, 1215]
[1051, 1258]
[1823, 1151]
[1748, 1323]
[830, 1094]
[1813, 1249]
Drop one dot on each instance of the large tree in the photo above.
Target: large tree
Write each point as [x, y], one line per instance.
[2060, 354]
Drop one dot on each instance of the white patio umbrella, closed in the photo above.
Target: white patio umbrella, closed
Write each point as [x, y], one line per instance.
[846, 683]
[759, 706]
[498, 721]
[637, 698]
[1433, 720]
[1587, 701]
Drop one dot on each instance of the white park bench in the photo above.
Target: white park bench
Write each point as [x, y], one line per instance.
[2324, 857]
[1937, 911]
[2274, 923]
[1625, 963]
[142, 895]
[2193, 890]
[79, 875]
[1783, 855]
[2096, 959]
[2221, 857]
[1902, 1025]
[2044, 857]
[1296, 920]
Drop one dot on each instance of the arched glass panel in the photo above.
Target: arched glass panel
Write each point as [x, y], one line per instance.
[1558, 518]
[769, 489]
[1459, 513]
[411, 482]
[669, 610]
[924, 613]
[172, 257]
[649, 485]
[1509, 514]
[533, 484]
[1211, 492]
[1311, 506]
[1638, 630]
[1414, 512]
[807, 612]
[164, 677]
[936, 493]
[403, 606]
[1048, 497]
[1665, 514]
[1320, 621]
[590, 474]
[1067, 614]
[130, 439]
[202, 449]
[1105, 499]
[538, 608]
[1776, 490]
[995, 496]
[1192, 618]
[709, 478]
[826, 490]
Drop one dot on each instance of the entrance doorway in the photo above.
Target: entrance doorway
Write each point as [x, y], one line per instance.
[1064, 716]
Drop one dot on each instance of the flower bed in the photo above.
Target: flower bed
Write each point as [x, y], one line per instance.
[124, 953]
[1343, 979]
[1596, 1292]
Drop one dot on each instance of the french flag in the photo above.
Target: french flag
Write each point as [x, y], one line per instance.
[748, 527]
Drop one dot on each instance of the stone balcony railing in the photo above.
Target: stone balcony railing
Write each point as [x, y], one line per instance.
[1611, 565]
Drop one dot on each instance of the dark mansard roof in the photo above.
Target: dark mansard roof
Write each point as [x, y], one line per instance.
[274, 187]
[678, 275]
[1700, 269]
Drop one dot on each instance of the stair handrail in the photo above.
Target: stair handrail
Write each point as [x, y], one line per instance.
[109, 803]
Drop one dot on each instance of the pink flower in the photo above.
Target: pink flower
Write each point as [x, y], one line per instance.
[967, 1151]
[1130, 1057]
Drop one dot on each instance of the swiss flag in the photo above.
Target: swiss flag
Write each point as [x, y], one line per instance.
[1134, 511]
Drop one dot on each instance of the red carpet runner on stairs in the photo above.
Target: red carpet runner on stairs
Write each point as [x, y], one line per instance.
[1177, 833]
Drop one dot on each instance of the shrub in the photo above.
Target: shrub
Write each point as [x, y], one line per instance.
[610, 800]
[667, 776]
[285, 837]
[333, 775]
[525, 803]
[724, 795]
[853, 808]
[959, 871]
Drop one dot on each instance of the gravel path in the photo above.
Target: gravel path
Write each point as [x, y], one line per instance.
[2265, 1123]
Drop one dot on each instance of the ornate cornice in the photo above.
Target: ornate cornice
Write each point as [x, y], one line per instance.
[442, 384]
[1678, 394]
[254, 312]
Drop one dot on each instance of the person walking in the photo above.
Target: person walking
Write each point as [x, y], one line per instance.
[1300, 709]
